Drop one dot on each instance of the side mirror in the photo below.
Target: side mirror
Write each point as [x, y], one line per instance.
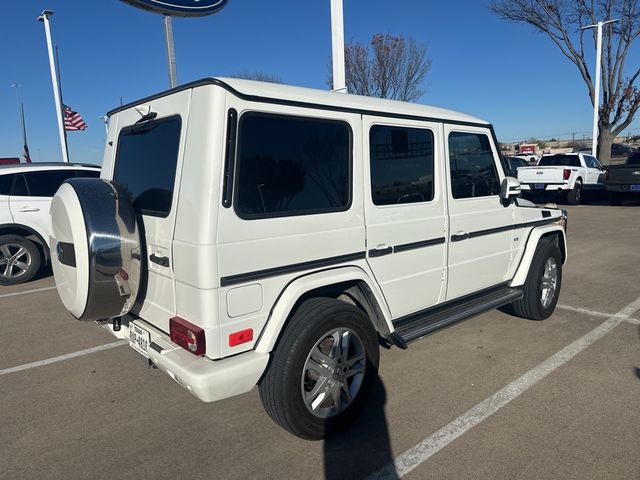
[510, 188]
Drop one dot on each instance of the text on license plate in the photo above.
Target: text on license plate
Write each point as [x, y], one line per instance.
[635, 188]
[139, 339]
[539, 186]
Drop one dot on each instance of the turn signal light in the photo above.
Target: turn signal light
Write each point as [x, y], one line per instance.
[566, 174]
[238, 338]
[187, 335]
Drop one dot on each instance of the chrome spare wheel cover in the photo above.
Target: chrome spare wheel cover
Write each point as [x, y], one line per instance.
[549, 282]
[333, 372]
[15, 260]
[95, 248]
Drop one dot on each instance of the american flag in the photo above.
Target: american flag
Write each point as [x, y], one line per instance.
[25, 154]
[72, 120]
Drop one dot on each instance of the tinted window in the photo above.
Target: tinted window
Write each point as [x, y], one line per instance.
[559, 159]
[592, 162]
[45, 184]
[473, 170]
[5, 184]
[20, 187]
[401, 165]
[634, 159]
[291, 165]
[87, 173]
[146, 164]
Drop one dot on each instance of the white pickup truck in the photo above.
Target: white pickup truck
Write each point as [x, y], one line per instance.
[566, 174]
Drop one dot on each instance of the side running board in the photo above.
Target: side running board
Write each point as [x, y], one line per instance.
[418, 325]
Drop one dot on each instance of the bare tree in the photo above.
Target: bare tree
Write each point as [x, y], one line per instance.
[561, 20]
[259, 76]
[388, 67]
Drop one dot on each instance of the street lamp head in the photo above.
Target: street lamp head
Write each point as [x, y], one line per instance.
[45, 13]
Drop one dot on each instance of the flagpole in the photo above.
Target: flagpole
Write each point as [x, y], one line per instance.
[56, 93]
[171, 56]
[66, 143]
[337, 47]
[27, 157]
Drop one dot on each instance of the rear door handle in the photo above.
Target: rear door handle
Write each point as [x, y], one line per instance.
[380, 251]
[28, 209]
[460, 235]
[162, 261]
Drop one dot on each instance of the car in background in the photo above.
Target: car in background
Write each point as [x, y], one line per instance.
[619, 152]
[25, 197]
[511, 165]
[530, 158]
[623, 181]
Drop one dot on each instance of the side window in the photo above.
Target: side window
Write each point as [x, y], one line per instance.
[87, 173]
[291, 166]
[401, 165]
[45, 184]
[592, 162]
[146, 164]
[5, 184]
[20, 187]
[473, 170]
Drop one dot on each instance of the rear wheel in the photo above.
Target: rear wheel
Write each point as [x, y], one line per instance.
[575, 196]
[542, 287]
[322, 371]
[19, 259]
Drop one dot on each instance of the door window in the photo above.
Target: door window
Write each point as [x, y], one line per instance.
[401, 165]
[44, 184]
[473, 170]
[5, 184]
[146, 164]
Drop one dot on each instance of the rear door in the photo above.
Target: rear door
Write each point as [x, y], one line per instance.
[405, 211]
[31, 197]
[481, 226]
[147, 164]
[594, 170]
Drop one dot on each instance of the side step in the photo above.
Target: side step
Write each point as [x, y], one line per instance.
[417, 325]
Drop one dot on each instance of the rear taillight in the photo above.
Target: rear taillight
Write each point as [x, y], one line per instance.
[566, 174]
[606, 175]
[238, 338]
[187, 335]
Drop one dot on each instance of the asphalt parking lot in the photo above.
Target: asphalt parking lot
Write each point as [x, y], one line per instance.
[493, 397]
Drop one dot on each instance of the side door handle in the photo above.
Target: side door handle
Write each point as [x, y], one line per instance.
[28, 209]
[380, 251]
[459, 235]
[162, 261]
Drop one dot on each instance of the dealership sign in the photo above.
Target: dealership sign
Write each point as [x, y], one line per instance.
[180, 8]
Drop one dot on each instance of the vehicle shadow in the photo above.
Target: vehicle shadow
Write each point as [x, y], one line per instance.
[364, 447]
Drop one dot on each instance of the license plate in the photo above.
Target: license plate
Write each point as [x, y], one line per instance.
[540, 186]
[635, 188]
[139, 339]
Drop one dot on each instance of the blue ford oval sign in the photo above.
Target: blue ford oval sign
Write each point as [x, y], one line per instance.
[180, 8]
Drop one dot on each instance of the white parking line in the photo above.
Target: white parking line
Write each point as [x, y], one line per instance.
[432, 444]
[24, 292]
[49, 361]
[593, 313]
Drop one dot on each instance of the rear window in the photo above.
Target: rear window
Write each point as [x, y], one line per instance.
[146, 164]
[559, 160]
[5, 184]
[634, 159]
[45, 184]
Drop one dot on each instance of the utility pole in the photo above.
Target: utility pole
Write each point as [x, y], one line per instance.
[337, 47]
[171, 56]
[54, 80]
[596, 96]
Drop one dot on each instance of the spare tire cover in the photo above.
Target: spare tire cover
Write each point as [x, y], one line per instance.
[95, 248]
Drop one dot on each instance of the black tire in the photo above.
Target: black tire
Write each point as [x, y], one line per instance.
[574, 196]
[24, 257]
[616, 198]
[531, 306]
[284, 384]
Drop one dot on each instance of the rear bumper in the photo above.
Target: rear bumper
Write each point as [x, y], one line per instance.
[623, 188]
[209, 380]
[548, 187]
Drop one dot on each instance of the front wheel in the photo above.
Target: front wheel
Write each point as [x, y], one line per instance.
[322, 370]
[542, 287]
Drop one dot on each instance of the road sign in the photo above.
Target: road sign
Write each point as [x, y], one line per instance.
[180, 8]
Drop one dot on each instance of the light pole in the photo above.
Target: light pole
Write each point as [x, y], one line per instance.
[54, 80]
[596, 96]
[337, 47]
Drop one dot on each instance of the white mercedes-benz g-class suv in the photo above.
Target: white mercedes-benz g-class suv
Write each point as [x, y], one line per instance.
[247, 233]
